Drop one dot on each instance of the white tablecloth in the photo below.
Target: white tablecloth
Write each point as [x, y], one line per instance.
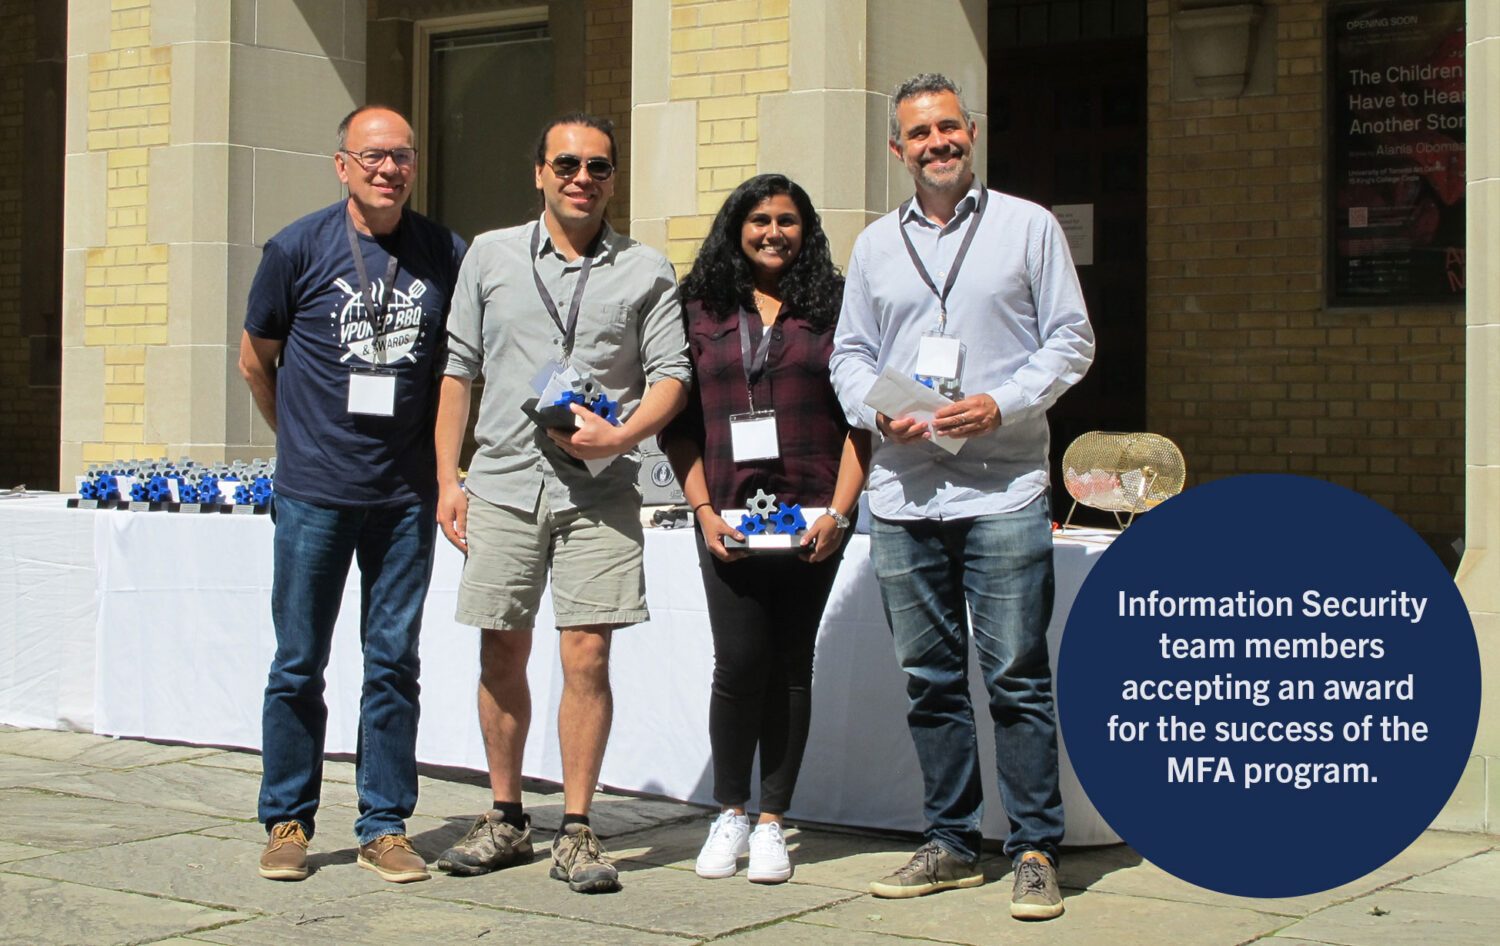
[182, 639]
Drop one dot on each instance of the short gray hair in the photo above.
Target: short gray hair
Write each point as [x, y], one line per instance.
[925, 83]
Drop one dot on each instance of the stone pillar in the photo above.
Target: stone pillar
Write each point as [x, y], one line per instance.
[1476, 804]
[195, 131]
[726, 90]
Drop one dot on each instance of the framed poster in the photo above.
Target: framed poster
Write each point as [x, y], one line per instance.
[1396, 170]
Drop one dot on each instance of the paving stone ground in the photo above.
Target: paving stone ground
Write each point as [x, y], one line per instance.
[106, 841]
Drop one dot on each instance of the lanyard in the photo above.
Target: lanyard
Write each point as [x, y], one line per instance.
[569, 330]
[753, 369]
[374, 311]
[958, 260]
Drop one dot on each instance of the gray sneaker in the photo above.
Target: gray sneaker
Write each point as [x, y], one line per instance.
[578, 858]
[492, 843]
[1035, 896]
[930, 869]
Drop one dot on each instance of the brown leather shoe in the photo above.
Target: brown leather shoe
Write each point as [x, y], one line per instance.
[285, 856]
[392, 857]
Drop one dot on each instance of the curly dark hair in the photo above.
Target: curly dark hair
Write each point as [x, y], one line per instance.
[721, 279]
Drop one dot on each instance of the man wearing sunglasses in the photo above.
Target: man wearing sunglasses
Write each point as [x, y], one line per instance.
[344, 335]
[562, 296]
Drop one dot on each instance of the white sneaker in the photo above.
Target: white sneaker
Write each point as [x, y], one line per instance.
[728, 840]
[768, 861]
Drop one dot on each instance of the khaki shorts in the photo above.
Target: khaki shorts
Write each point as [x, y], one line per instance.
[594, 555]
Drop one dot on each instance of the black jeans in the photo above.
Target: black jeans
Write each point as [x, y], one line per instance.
[764, 612]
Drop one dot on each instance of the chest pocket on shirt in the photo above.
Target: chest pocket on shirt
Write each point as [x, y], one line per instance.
[603, 333]
[716, 351]
[805, 350]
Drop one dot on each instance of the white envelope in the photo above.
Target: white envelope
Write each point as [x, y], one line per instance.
[897, 395]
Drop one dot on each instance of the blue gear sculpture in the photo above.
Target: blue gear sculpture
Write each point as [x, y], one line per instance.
[752, 525]
[157, 491]
[789, 520]
[569, 397]
[260, 491]
[605, 408]
[762, 503]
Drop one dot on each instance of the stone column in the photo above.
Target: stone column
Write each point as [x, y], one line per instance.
[1476, 802]
[195, 131]
[726, 90]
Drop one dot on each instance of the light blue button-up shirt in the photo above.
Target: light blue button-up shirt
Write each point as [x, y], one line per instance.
[1019, 311]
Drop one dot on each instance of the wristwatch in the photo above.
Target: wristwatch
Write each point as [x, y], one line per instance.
[839, 519]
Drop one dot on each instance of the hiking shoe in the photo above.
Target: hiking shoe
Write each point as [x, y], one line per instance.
[285, 856]
[768, 861]
[930, 869]
[578, 858]
[1035, 896]
[492, 843]
[393, 858]
[728, 841]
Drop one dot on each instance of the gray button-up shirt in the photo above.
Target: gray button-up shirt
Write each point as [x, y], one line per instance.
[1019, 311]
[630, 334]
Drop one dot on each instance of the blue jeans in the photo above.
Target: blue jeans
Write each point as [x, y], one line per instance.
[1001, 567]
[313, 548]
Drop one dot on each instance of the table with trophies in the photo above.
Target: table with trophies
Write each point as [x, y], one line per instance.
[154, 623]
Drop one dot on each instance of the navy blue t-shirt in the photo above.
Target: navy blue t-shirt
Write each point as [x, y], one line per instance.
[307, 294]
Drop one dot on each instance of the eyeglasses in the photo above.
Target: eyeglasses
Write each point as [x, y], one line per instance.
[566, 166]
[372, 158]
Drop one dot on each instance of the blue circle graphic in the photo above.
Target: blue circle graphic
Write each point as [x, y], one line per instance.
[1268, 686]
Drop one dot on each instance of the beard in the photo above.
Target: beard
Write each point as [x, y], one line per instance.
[950, 178]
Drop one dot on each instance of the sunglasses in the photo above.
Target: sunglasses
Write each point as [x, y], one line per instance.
[566, 166]
[372, 158]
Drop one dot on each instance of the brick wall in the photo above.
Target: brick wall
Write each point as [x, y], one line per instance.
[29, 412]
[724, 55]
[1248, 369]
[125, 294]
[607, 88]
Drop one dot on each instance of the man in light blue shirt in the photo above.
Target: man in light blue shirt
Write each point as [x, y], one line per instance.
[974, 293]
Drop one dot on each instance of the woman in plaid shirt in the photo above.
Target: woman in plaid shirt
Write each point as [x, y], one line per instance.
[762, 299]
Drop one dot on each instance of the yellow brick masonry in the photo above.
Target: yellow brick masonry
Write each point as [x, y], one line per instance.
[725, 53]
[125, 281]
[1248, 369]
[607, 88]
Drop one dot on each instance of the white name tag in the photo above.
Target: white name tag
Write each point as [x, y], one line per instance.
[372, 393]
[753, 436]
[938, 356]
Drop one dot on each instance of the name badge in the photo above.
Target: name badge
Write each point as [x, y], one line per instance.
[372, 392]
[939, 356]
[753, 436]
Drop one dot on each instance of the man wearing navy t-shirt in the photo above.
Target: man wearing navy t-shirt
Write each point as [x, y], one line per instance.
[344, 334]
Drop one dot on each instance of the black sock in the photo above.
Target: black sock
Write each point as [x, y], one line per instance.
[510, 813]
[574, 819]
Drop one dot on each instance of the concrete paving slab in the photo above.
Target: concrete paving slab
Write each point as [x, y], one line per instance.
[66, 822]
[799, 933]
[211, 871]
[1403, 918]
[1118, 869]
[183, 786]
[982, 916]
[390, 917]
[105, 752]
[1477, 876]
[42, 912]
[244, 760]
[28, 772]
[49, 744]
[18, 852]
[654, 899]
